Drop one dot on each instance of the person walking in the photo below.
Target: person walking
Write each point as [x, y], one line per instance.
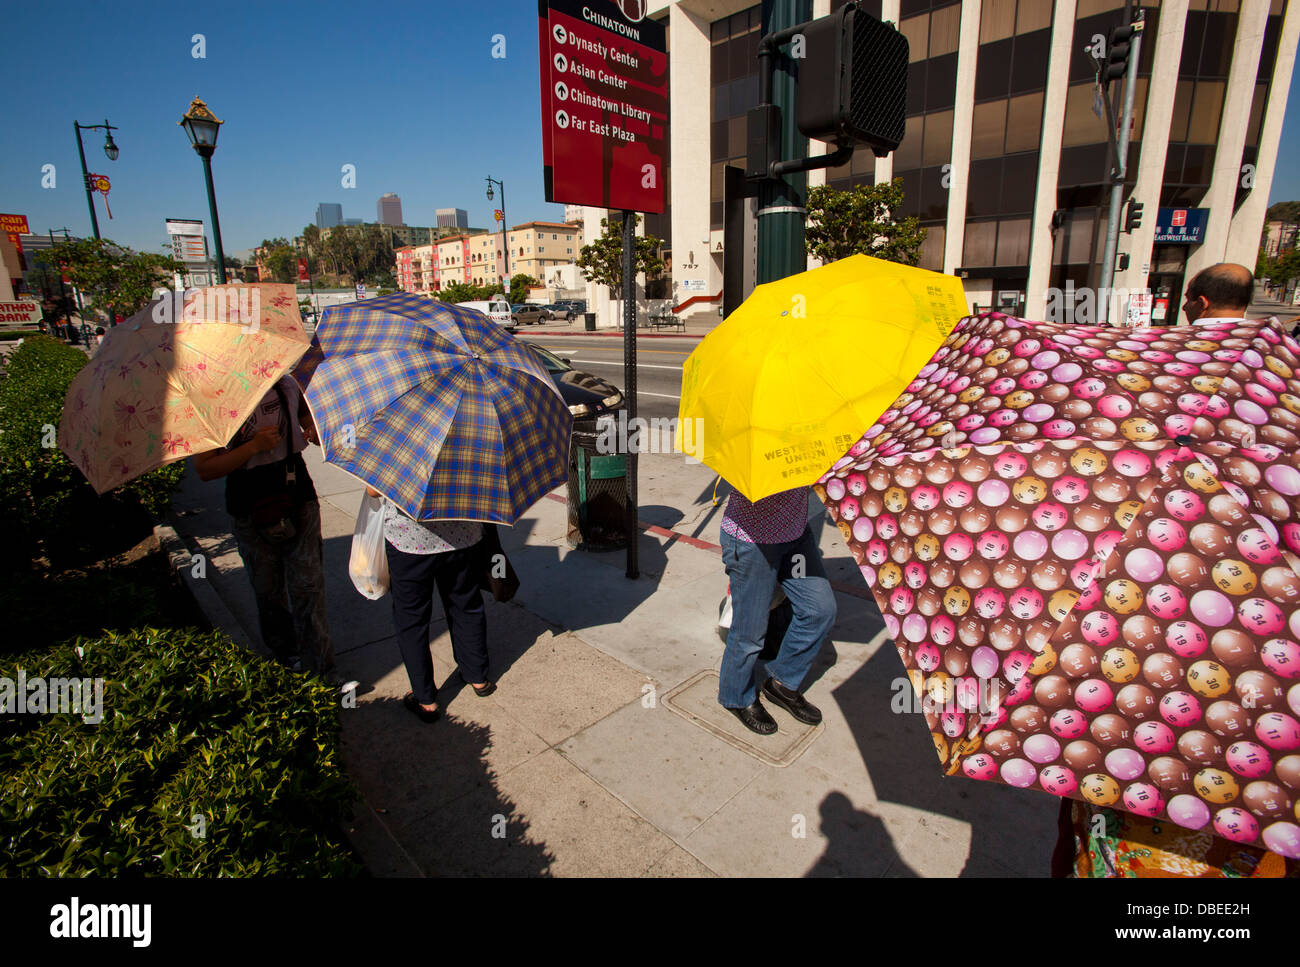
[765, 543]
[448, 555]
[275, 519]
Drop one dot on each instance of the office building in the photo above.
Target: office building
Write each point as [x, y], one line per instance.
[1004, 160]
[328, 215]
[451, 218]
[389, 209]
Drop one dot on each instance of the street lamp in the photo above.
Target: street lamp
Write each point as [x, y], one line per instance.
[201, 125]
[110, 149]
[505, 242]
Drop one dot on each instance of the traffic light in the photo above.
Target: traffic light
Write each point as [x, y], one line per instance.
[1117, 50]
[1133, 217]
[853, 80]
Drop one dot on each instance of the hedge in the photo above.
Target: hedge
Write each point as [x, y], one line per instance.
[46, 506]
[208, 761]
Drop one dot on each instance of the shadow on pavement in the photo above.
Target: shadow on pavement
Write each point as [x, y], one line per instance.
[866, 849]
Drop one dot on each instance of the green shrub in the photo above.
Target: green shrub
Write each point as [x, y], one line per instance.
[196, 736]
[46, 505]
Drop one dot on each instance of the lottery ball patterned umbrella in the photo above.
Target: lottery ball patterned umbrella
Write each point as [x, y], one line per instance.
[1084, 542]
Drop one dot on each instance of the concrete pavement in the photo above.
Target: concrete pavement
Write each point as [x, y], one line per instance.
[603, 752]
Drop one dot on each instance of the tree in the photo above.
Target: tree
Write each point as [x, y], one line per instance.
[519, 286]
[861, 220]
[602, 260]
[111, 274]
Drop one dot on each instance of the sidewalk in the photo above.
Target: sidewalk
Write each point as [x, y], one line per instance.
[697, 327]
[604, 752]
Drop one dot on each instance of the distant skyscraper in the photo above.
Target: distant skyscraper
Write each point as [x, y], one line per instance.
[452, 218]
[328, 215]
[390, 210]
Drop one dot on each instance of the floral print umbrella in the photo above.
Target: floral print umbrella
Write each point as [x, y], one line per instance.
[179, 378]
[1084, 542]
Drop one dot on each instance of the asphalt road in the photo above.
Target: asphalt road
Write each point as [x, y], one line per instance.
[659, 366]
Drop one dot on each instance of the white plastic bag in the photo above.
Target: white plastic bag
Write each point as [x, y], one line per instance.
[368, 565]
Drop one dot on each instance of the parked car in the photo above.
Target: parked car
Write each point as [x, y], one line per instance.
[587, 396]
[560, 310]
[578, 306]
[526, 314]
[498, 310]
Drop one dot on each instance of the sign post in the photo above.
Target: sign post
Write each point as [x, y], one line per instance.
[604, 87]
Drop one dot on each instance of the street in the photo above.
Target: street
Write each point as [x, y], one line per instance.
[659, 366]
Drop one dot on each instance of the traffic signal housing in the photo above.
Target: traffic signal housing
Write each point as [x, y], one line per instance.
[1117, 51]
[853, 81]
[1133, 215]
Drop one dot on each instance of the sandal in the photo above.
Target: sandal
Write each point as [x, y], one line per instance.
[419, 711]
[487, 689]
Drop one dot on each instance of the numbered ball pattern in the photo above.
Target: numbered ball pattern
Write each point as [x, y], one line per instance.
[1087, 535]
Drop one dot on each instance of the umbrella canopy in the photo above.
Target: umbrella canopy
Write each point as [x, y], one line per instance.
[178, 378]
[1084, 543]
[807, 363]
[437, 408]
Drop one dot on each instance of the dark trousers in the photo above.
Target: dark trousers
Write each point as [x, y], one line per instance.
[412, 578]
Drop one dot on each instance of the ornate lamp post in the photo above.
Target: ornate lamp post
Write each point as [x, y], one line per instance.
[110, 149]
[201, 126]
[505, 242]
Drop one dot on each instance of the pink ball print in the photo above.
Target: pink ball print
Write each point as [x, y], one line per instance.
[1026, 603]
[984, 662]
[1236, 824]
[1016, 664]
[1248, 759]
[1099, 628]
[1261, 616]
[1058, 780]
[1143, 799]
[1186, 639]
[1212, 608]
[1018, 772]
[1166, 535]
[981, 765]
[1188, 811]
[958, 547]
[1281, 656]
[952, 724]
[1093, 695]
[1283, 839]
[1125, 764]
[1180, 709]
[928, 657]
[1068, 723]
[1020, 691]
[1153, 738]
[1277, 730]
[958, 494]
[1144, 565]
[1042, 748]
[1166, 601]
[1184, 505]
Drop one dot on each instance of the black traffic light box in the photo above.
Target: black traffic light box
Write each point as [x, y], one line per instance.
[1133, 217]
[853, 81]
[1117, 51]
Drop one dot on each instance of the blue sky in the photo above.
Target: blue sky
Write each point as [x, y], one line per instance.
[408, 92]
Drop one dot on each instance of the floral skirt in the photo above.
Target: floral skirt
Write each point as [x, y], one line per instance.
[1107, 842]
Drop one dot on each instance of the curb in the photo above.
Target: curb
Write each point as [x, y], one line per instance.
[179, 555]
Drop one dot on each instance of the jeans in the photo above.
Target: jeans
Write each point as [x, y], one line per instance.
[755, 570]
[292, 625]
[411, 582]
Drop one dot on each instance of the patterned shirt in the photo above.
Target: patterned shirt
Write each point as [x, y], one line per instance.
[777, 519]
[268, 414]
[429, 536]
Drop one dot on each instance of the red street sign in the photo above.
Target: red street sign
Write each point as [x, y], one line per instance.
[604, 79]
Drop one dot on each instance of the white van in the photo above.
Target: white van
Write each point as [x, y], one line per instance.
[496, 309]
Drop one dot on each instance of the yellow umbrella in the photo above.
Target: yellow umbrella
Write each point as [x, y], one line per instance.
[776, 393]
[179, 378]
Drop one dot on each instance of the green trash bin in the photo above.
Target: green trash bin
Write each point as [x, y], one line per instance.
[597, 495]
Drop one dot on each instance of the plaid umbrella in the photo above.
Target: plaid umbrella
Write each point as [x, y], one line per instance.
[1084, 542]
[436, 407]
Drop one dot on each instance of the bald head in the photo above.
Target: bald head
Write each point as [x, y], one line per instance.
[1222, 290]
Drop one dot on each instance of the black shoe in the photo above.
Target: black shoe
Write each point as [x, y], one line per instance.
[792, 702]
[755, 718]
[419, 711]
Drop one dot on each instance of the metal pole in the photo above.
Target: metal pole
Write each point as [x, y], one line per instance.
[505, 239]
[216, 225]
[1117, 176]
[76, 292]
[85, 180]
[629, 382]
[781, 210]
